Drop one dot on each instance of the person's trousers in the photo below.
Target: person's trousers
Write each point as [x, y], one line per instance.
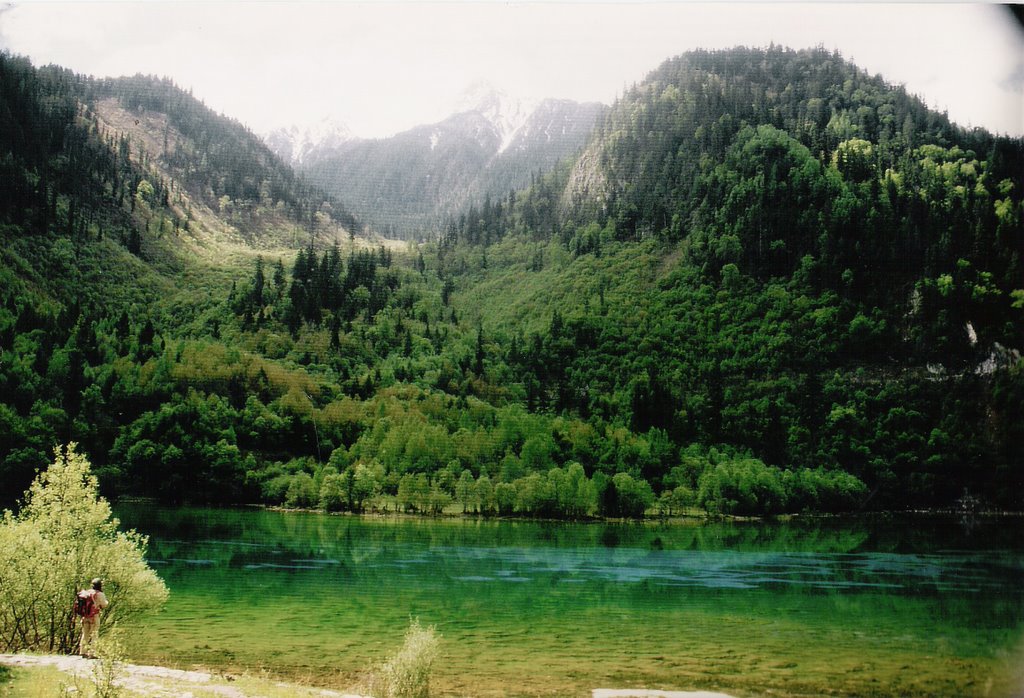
[90, 633]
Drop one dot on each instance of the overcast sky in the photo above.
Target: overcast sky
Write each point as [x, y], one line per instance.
[383, 67]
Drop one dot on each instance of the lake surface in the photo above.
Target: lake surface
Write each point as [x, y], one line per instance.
[921, 606]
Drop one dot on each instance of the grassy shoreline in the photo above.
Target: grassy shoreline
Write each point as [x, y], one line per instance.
[692, 515]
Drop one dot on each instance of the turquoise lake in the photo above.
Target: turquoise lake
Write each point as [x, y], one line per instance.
[884, 606]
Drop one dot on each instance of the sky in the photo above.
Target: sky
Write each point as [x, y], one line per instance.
[383, 67]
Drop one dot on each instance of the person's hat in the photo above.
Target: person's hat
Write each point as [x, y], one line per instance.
[97, 582]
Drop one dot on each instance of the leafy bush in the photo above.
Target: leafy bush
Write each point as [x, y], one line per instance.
[63, 536]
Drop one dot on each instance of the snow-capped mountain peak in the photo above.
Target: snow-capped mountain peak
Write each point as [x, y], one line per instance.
[505, 113]
[294, 144]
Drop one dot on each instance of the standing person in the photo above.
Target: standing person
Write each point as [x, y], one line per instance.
[91, 618]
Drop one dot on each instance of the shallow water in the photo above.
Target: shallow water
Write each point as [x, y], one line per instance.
[924, 606]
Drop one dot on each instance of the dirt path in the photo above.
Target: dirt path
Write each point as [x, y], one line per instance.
[645, 693]
[158, 682]
[161, 682]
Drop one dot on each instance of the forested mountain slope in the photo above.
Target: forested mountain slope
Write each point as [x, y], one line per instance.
[119, 200]
[832, 275]
[769, 283]
[220, 164]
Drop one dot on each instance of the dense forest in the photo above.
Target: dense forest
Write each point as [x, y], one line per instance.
[770, 283]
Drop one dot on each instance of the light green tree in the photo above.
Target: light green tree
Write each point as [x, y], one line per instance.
[464, 489]
[635, 495]
[332, 492]
[367, 482]
[505, 497]
[62, 536]
[144, 192]
[579, 498]
[302, 491]
[484, 495]
[438, 500]
[143, 196]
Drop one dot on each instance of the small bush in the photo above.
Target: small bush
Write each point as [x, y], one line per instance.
[407, 673]
[106, 673]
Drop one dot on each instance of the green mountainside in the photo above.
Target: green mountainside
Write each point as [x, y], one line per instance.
[769, 283]
[119, 200]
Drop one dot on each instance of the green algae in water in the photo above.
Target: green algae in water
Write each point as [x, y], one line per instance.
[909, 607]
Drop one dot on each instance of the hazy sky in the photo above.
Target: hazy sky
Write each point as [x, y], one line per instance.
[385, 66]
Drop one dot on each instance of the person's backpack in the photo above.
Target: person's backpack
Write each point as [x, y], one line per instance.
[85, 603]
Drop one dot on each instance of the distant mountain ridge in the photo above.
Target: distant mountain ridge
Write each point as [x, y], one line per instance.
[407, 185]
[297, 144]
[505, 113]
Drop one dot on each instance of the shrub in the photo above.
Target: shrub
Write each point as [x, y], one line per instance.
[107, 672]
[63, 536]
[407, 673]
